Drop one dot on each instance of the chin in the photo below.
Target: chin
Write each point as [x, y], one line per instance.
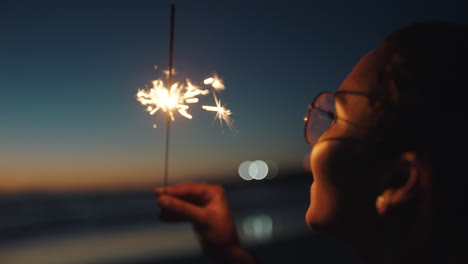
[311, 221]
[315, 227]
[318, 220]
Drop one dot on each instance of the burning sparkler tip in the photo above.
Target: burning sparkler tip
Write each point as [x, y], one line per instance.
[179, 95]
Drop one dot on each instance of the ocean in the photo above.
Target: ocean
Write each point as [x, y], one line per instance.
[123, 227]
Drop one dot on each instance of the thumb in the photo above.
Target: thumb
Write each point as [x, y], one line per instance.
[180, 209]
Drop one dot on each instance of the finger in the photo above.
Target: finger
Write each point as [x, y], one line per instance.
[180, 188]
[186, 190]
[180, 210]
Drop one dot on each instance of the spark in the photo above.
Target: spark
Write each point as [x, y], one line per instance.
[175, 98]
[222, 114]
[215, 82]
[166, 72]
[178, 97]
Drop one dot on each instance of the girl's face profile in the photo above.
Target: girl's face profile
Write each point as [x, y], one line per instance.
[341, 191]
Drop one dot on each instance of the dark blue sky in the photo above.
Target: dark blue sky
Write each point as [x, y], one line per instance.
[70, 70]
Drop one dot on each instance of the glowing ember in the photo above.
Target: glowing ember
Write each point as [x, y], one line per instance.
[215, 82]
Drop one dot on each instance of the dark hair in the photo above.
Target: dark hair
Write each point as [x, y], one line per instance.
[421, 106]
[421, 79]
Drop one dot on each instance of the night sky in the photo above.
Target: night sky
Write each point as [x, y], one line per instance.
[70, 71]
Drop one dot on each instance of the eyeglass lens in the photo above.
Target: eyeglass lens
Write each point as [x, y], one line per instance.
[320, 118]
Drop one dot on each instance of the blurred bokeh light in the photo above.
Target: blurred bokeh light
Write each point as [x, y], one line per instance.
[257, 170]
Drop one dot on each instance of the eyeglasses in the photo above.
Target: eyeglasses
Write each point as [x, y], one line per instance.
[322, 115]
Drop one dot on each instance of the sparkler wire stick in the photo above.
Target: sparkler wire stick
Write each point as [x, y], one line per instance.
[168, 114]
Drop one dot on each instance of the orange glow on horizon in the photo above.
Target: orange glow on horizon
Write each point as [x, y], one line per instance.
[97, 180]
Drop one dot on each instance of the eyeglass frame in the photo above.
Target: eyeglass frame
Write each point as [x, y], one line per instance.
[334, 118]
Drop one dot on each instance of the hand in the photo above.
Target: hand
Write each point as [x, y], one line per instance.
[204, 205]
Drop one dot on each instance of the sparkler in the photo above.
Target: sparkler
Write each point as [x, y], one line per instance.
[177, 97]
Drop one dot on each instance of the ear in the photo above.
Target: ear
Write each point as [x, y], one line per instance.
[413, 173]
